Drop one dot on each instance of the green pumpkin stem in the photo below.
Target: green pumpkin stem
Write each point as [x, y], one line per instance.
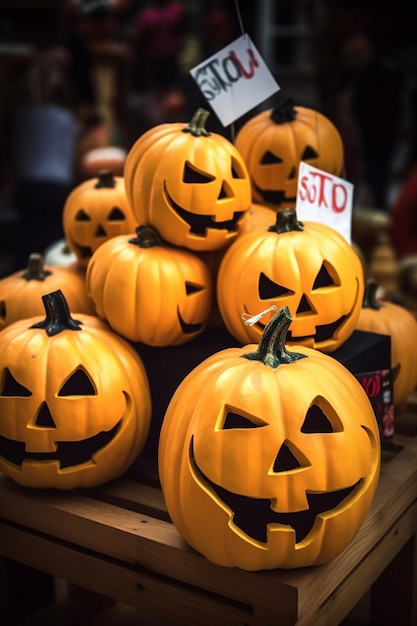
[284, 112]
[271, 349]
[197, 125]
[58, 317]
[146, 237]
[286, 221]
[370, 301]
[105, 180]
[35, 269]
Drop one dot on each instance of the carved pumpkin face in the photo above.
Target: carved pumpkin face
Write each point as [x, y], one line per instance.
[274, 142]
[74, 400]
[94, 212]
[192, 186]
[308, 267]
[269, 458]
[149, 291]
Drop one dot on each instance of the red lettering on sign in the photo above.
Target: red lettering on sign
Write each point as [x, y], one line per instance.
[252, 63]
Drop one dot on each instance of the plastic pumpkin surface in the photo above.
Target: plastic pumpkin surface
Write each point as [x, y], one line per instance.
[75, 403]
[269, 458]
[191, 185]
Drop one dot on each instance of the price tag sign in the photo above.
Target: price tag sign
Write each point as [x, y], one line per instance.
[235, 80]
[325, 198]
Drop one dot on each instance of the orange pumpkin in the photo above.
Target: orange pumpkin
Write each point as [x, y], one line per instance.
[268, 457]
[308, 266]
[150, 291]
[191, 185]
[21, 292]
[95, 211]
[75, 404]
[387, 318]
[275, 141]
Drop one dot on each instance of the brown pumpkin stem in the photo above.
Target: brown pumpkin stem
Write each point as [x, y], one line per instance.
[197, 125]
[286, 221]
[271, 349]
[35, 269]
[284, 111]
[58, 317]
[370, 301]
[146, 237]
[105, 180]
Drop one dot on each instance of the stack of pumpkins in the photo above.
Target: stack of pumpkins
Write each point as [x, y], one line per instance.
[251, 443]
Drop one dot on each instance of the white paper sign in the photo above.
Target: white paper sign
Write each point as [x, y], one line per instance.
[325, 198]
[235, 80]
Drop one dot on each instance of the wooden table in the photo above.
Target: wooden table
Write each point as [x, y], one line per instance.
[117, 540]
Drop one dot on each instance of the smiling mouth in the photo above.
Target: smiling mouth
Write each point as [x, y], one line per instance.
[68, 453]
[199, 224]
[323, 331]
[253, 515]
[270, 196]
[189, 329]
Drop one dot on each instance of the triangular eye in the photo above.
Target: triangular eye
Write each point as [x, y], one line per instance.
[191, 175]
[237, 171]
[268, 289]
[82, 216]
[191, 288]
[236, 420]
[270, 158]
[324, 278]
[11, 387]
[116, 215]
[78, 384]
[309, 153]
[316, 421]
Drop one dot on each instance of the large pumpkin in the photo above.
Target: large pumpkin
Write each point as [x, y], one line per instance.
[75, 403]
[269, 458]
[21, 292]
[191, 185]
[387, 318]
[95, 211]
[274, 142]
[149, 291]
[308, 267]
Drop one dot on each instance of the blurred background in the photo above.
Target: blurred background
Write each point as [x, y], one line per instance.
[80, 75]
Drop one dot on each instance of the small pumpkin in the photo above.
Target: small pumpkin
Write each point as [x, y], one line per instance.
[21, 292]
[75, 404]
[387, 318]
[150, 291]
[95, 211]
[269, 458]
[274, 142]
[308, 266]
[191, 185]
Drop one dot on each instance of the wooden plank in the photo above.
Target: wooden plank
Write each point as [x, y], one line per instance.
[180, 603]
[342, 600]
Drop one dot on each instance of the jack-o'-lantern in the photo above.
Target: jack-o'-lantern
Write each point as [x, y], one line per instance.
[274, 142]
[269, 458]
[150, 291]
[75, 403]
[191, 185]
[95, 211]
[309, 267]
[21, 292]
[387, 318]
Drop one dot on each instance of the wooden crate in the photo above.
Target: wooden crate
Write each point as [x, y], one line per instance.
[117, 540]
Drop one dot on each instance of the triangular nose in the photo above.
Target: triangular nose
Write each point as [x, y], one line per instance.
[44, 418]
[285, 460]
[225, 191]
[304, 306]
